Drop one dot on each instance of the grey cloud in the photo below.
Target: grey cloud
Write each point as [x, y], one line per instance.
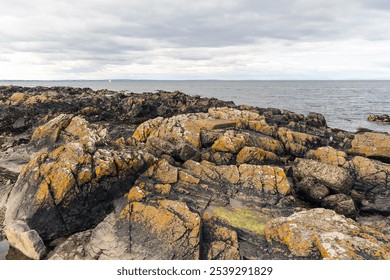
[120, 32]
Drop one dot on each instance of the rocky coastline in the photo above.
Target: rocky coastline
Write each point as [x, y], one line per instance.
[385, 119]
[116, 175]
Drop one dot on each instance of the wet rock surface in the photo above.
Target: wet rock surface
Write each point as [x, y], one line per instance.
[116, 175]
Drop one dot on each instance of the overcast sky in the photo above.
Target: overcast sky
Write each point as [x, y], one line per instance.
[180, 39]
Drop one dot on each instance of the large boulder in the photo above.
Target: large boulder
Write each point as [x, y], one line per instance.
[182, 136]
[312, 190]
[372, 185]
[372, 145]
[320, 231]
[328, 155]
[244, 119]
[297, 143]
[161, 229]
[333, 177]
[157, 229]
[73, 187]
[68, 128]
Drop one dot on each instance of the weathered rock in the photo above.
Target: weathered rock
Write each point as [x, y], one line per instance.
[211, 173]
[312, 190]
[328, 155]
[219, 242]
[4, 248]
[333, 236]
[377, 222]
[67, 128]
[26, 240]
[297, 143]
[93, 157]
[73, 187]
[379, 118]
[372, 145]
[335, 178]
[164, 172]
[73, 247]
[266, 143]
[244, 118]
[253, 155]
[161, 229]
[316, 120]
[267, 179]
[341, 203]
[180, 134]
[53, 185]
[230, 141]
[48, 134]
[373, 182]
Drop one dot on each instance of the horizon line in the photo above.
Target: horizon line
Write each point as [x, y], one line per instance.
[181, 80]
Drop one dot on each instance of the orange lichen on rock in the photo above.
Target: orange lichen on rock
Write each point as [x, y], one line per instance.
[136, 194]
[42, 192]
[333, 235]
[255, 155]
[297, 143]
[230, 141]
[166, 173]
[270, 179]
[104, 164]
[188, 178]
[262, 126]
[171, 220]
[40, 98]
[61, 182]
[328, 155]
[163, 188]
[371, 144]
[50, 131]
[18, 98]
[224, 241]
[209, 172]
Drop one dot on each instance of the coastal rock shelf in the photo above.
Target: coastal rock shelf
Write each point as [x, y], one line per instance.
[116, 175]
[385, 119]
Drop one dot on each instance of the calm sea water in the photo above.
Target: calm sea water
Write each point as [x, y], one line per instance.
[345, 104]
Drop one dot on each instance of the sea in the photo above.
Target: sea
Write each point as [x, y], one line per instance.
[345, 104]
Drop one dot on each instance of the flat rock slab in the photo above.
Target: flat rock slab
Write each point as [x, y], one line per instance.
[214, 124]
[374, 145]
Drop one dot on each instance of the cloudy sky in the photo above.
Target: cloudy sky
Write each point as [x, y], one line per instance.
[202, 39]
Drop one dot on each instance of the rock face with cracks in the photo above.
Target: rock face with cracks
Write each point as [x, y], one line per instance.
[329, 234]
[72, 186]
[116, 175]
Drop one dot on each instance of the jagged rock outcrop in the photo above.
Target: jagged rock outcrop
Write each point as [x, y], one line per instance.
[116, 175]
[372, 184]
[328, 155]
[320, 231]
[161, 229]
[297, 143]
[333, 177]
[379, 118]
[72, 186]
